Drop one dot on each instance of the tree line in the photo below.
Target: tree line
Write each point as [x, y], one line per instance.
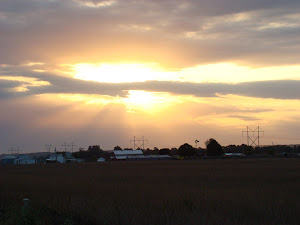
[213, 148]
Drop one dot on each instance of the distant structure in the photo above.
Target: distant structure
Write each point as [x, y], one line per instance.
[124, 154]
[25, 159]
[15, 151]
[196, 142]
[8, 160]
[48, 147]
[253, 136]
[68, 147]
[138, 143]
[66, 157]
[135, 155]
[17, 159]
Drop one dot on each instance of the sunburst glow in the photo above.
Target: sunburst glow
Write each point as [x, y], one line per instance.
[119, 73]
[149, 101]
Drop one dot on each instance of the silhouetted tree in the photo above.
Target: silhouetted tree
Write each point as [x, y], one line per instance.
[94, 148]
[155, 151]
[117, 148]
[247, 149]
[186, 150]
[199, 151]
[164, 151]
[213, 148]
[173, 151]
[91, 155]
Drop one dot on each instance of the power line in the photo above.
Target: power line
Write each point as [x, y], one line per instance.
[15, 151]
[65, 145]
[138, 143]
[48, 147]
[253, 140]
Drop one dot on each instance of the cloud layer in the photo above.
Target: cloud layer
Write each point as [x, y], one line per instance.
[175, 34]
[56, 84]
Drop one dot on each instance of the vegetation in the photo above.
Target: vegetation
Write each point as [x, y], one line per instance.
[92, 154]
[228, 192]
[213, 148]
[186, 150]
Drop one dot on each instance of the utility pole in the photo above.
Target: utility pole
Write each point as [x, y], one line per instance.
[65, 145]
[72, 145]
[253, 136]
[48, 147]
[138, 143]
[15, 151]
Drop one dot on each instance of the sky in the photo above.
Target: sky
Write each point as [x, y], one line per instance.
[96, 72]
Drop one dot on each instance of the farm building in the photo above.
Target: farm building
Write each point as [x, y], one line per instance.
[124, 154]
[137, 155]
[149, 157]
[8, 160]
[56, 158]
[25, 159]
[234, 155]
[17, 159]
[61, 158]
[100, 160]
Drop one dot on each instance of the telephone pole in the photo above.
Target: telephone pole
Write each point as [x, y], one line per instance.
[253, 136]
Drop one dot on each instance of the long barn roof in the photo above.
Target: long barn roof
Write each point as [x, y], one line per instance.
[128, 152]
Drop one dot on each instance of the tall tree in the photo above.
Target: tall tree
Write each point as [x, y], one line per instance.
[213, 148]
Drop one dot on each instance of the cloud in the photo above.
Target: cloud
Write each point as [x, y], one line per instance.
[54, 84]
[175, 34]
[246, 118]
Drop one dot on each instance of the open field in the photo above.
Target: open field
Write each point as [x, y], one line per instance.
[242, 192]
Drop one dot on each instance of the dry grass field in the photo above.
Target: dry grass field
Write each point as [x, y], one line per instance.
[210, 192]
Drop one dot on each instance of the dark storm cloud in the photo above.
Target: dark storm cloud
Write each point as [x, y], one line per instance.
[173, 33]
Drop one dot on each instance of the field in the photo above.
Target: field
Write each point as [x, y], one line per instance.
[184, 192]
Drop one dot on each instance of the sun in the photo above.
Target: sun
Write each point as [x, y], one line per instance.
[141, 98]
[152, 102]
[136, 100]
[119, 73]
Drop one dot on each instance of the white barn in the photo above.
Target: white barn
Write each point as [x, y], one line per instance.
[124, 154]
[61, 158]
[25, 159]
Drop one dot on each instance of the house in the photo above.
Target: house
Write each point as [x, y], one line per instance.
[8, 160]
[17, 159]
[65, 157]
[24, 159]
[55, 157]
[124, 154]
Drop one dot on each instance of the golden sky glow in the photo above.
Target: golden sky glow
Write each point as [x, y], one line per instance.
[118, 73]
[103, 71]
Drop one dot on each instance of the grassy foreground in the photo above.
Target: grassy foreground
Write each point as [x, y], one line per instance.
[242, 192]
